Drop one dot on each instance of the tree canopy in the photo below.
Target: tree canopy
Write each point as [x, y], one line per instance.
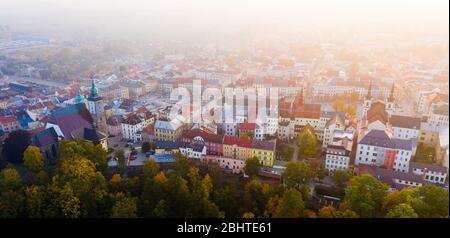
[15, 145]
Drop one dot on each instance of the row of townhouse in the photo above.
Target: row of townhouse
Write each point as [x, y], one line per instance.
[198, 143]
[8, 124]
[329, 91]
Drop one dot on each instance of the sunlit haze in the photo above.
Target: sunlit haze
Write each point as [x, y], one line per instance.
[200, 18]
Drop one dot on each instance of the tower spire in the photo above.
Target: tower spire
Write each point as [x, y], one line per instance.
[302, 100]
[391, 96]
[78, 98]
[369, 92]
[94, 90]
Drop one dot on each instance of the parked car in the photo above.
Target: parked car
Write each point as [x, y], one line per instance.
[133, 157]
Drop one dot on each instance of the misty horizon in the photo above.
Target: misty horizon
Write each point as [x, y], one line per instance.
[202, 20]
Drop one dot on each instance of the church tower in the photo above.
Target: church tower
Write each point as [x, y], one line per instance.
[78, 98]
[390, 104]
[97, 108]
[299, 99]
[368, 99]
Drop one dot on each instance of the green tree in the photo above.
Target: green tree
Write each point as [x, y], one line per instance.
[150, 169]
[435, 199]
[271, 206]
[228, 200]
[95, 153]
[425, 154]
[402, 211]
[252, 167]
[11, 204]
[42, 177]
[124, 207]
[115, 183]
[307, 144]
[284, 151]
[178, 194]
[341, 177]
[182, 164]
[200, 190]
[160, 209]
[36, 201]
[66, 202]
[120, 155]
[291, 205]
[85, 183]
[254, 199]
[365, 195]
[428, 201]
[33, 159]
[10, 179]
[297, 174]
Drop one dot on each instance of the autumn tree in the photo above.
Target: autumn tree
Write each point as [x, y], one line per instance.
[291, 205]
[327, 212]
[11, 194]
[36, 201]
[150, 169]
[10, 179]
[200, 190]
[95, 153]
[124, 207]
[307, 143]
[83, 184]
[33, 159]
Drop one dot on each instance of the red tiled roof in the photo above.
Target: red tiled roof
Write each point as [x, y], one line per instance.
[241, 142]
[205, 135]
[247, 126]
[377, 112]
[7, 119]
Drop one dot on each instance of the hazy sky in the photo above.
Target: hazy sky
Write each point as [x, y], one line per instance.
[197, 17]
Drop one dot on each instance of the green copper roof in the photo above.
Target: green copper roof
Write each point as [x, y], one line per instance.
[79, 98]
[94, 90]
